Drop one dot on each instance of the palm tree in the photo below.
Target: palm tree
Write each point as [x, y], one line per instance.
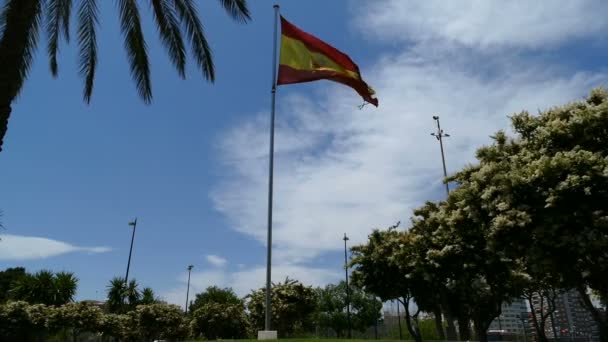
[123, 297]
[21, 21]
[132, 294]
[64, 287]
[116, 295]
[44, 287]
[147, 296]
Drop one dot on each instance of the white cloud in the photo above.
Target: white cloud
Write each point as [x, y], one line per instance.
[343, 170]
[484, 24]
[245, 280]
[216, 261]
[16, 247]
[340, 170]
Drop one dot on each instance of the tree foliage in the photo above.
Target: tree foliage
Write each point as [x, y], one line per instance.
[365, 308]
[214, 320]
[44, 287]
[214, 294]
[21, 22]
[529, 217]
[124, 298]
[160, 321]
[293, 307]
[8, 278]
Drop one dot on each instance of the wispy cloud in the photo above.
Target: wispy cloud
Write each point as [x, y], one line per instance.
[484, 24]
[343, 170]
[216, 261]
[16, 247]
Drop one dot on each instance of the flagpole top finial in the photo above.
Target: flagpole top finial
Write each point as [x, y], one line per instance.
[276, 6]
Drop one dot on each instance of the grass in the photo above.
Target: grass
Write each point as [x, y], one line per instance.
[312, 339]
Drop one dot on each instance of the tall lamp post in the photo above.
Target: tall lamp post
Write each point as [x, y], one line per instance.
[347, 288]
[440, 135]
[134, 225]
[188, 289]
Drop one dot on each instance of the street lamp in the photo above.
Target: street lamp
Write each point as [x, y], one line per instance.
[347, 289]
[188, 290]
[134, 225]
[440, 135]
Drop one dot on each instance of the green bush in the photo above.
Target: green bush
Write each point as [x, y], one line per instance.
[160, 321]
[20, 321]
[219, 321]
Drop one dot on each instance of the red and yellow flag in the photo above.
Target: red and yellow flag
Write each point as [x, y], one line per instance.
[305, 58]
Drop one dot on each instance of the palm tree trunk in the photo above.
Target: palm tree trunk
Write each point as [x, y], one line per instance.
[5, 113]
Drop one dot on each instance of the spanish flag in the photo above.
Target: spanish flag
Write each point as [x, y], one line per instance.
[305, 58]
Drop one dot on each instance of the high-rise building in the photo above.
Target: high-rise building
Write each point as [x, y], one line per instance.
[570, 318]
[513, 319]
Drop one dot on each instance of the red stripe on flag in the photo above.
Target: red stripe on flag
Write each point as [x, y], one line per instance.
[289, 75]
[315, 44]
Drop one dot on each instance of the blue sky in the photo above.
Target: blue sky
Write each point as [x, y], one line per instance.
[192, 166]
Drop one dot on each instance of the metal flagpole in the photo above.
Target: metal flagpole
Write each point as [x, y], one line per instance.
[270, 172]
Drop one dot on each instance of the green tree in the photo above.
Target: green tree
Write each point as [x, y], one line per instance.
[22, 20]
[215, 320]
[20, 321]
[439, 298]
[214, 294]
[116, 295]
[365, 309]
[148, 296]
[543, 194]
[159, 321]
[293, 308]
[45, 287]
[8, 278]
[123, 298]
[382, 268]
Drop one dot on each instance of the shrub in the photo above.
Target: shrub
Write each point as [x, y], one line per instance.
[219, 321]
[160, 321]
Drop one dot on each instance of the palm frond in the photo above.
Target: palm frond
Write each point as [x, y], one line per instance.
[170, 34]
[66, 13]
[186, 11]
[19, 21]
[87, 42]
[58, 12]
[237, 9]
[135, 45]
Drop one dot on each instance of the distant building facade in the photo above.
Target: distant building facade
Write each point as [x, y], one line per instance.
[570, 318]
[513, 319]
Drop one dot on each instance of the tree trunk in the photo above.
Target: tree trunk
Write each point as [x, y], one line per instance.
[5, 113]
[540, 331]
[415, 333]
[450, 331]
[464, 327]
[481, 329]
[600, 318]
[439, 323]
